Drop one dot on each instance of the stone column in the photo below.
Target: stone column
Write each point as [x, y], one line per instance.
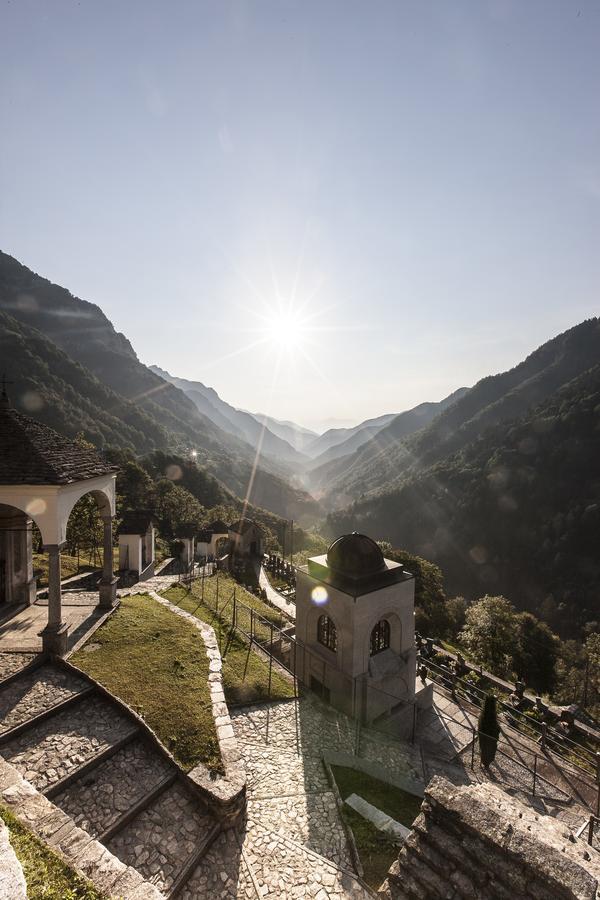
[108, 582]
[55, 634]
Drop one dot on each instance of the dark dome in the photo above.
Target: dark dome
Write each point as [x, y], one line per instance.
[355, 556]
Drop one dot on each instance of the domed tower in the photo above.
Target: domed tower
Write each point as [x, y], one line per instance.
[355, 631]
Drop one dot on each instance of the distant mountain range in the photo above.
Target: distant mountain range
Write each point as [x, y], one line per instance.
[73, 371]
[288, 444]
[248, 427]
[342, 465]
[502, 489]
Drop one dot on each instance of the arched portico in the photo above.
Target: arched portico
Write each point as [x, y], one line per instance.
[42, 476]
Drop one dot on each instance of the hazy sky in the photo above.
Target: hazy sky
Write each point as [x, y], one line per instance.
[419, 182]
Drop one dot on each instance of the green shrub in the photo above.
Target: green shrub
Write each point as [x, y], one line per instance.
[488, 731]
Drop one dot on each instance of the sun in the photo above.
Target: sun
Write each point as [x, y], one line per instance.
[285, 329]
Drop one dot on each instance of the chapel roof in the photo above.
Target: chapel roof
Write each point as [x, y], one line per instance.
[218, 527]
[136, 522]
[243, 525]
[355, 565]
[355, 556]
[33, 453]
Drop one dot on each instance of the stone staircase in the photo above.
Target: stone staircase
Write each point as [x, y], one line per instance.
[92, 759]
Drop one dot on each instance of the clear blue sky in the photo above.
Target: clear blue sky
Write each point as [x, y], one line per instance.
[422, 178]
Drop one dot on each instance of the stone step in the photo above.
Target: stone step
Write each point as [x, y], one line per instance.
[97, 800]
[14, 664]
[165, 841]
[61, 745]
[37, 693]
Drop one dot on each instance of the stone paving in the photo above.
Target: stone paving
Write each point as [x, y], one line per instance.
[11, 663]
[312, 820]
[34, 693]
[160, 840]
[96, 800]
[223, 873]
[285, 869]
[294, 844]
[157, 583]
[58, 746]
[22, 632]
[273, 596]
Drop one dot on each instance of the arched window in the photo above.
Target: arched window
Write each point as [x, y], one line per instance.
[327, 633]
[380, 637]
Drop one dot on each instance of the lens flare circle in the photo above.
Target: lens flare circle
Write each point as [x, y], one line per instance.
[319, 595]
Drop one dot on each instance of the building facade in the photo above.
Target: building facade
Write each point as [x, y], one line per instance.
[356, 633]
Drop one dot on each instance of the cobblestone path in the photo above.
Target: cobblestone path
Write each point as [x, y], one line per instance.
[273, 596]
[293, 844]
[93, 761]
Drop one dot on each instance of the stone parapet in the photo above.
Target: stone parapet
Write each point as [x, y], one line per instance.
[56, 829]
[478, 843]
[12, 880]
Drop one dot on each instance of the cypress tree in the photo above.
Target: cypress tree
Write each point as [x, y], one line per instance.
[488, 730]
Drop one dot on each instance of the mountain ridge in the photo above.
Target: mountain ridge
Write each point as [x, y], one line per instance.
[76, 338]
[515, 511]
[493, 399]
[240, 423]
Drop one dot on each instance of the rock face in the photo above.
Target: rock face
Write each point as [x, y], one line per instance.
[477, 843]
[12, 880]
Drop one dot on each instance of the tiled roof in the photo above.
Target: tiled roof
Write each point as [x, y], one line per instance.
[32, 453]
[243, 525]
[218, 527]
[136, 522]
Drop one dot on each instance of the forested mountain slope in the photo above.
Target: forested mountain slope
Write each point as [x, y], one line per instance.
[235, 421]
[334, 437]
[516, 511]
[377, 455]
[74, 371]
[50, 386]
[495, 399]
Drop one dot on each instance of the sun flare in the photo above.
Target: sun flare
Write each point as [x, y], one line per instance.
[285, 329]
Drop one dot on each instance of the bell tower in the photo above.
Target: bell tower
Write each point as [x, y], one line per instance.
[355, 630]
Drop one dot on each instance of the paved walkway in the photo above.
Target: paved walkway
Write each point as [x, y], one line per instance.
[274, 597]
[22, 632]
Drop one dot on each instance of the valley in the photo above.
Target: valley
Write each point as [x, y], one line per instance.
[498, 484]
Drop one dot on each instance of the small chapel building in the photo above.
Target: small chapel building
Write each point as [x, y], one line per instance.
[246, 538]
[42, 476]
[213, 539]
[355, 632]
[137, 534]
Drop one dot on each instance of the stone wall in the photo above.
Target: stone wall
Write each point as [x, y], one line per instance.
[478, 843]
[12, 880]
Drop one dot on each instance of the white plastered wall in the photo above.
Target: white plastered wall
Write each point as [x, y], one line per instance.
[50, 505]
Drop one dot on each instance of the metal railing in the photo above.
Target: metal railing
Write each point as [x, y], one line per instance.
[271, 637]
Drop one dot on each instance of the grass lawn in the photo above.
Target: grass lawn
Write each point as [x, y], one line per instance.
[245, 673]
[68, 566]
[47, 876]
[376, 852]
[156, 662]
[227, 585]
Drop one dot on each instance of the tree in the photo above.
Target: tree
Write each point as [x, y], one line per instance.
[592, 658]
[175, 507]
[536, 653]
[84, 528]
[431, 617]
[490, 633]
[456, 609]
[488, 730]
